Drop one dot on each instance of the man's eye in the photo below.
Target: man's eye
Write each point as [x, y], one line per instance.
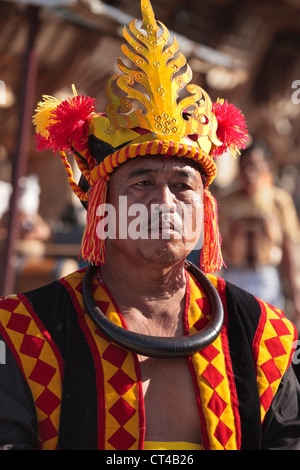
[183, 186]
[143, 183]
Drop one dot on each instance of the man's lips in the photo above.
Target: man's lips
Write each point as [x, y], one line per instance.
[164, 227]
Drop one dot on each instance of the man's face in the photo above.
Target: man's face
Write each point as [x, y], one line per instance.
[159, 209]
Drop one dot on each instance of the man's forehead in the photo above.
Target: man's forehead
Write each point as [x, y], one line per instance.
[157, 163]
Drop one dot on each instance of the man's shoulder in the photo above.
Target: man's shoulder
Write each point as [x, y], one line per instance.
[42, 301]
[231, 292]
[10, 303]
[254, 313]
[240, 307]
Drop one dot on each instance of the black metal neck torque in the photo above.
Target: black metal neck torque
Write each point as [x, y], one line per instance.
[158, 346]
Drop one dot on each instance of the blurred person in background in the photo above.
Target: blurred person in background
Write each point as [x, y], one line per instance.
[260, 230]
[31, 225]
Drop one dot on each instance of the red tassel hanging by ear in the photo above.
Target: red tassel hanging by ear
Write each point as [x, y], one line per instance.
[92, 246]
[211, 255]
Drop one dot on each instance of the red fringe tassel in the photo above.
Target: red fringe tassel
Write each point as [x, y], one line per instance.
[92, 246]
[211, 255]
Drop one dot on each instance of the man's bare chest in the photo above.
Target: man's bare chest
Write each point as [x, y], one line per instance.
[170, 400]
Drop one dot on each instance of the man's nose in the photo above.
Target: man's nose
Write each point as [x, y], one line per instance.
[162, 195]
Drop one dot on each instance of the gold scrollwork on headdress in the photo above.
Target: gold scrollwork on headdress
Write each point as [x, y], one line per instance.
[154, 83]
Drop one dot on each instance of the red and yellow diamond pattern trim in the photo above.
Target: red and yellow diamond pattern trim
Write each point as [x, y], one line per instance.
[272, 352]
[120, 415]
[39, 361]
[214, 377]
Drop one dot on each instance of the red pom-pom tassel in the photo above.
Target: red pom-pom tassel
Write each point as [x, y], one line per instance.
[42, 143]
[232, 128]
[69, 123]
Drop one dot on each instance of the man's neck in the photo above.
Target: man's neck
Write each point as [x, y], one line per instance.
[137, 280]
[152, 299]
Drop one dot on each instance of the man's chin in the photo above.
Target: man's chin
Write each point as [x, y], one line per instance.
[163, 253]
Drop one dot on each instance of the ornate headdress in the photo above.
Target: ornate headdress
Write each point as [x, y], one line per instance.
[145, 115]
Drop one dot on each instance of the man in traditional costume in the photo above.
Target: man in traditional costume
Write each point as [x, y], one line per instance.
[142, 350]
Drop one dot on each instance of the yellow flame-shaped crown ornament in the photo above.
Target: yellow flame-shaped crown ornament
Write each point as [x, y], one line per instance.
[157, 68]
